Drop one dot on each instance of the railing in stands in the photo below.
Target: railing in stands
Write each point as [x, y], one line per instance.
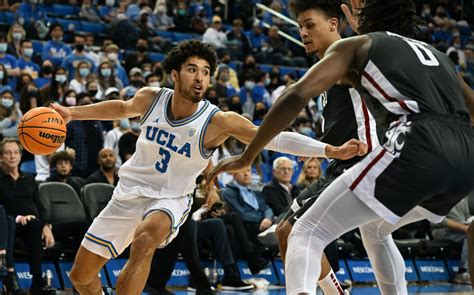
[281, 16]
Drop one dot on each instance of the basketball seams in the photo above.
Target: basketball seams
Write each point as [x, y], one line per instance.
[34, 116]
[43, 128]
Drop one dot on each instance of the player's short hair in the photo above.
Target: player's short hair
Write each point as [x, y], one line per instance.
[332, 8]
[397, 16]
[9, 140]
[178, 55]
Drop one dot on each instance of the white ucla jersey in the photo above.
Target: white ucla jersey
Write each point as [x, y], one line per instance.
[170, 155]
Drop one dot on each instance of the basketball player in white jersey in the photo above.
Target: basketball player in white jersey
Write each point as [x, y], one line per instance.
[180, 130]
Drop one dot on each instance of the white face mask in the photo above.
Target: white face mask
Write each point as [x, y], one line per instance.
[112, 56]
[154, 84]
[6, 102]
[110, 2]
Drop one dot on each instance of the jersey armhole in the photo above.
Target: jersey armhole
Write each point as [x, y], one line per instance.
[152, 106]
[205, 153]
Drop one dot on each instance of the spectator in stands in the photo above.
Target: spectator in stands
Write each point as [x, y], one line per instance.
[10, 115]
[88, 12]
[89, 48]
[25, 63]
[29, 12]
[454, 228]
[92, 90]
[441, 20]
[47, 69]
[15, 35]
[7, 242]
[246, 99]
[4, 79]
[256, 36]
[29, 98]
[182, 17]
[153, 80]
[279, 192]
[78, 55]
[63, 163]
[55, 49]
[164, 22]
[310, 172]
[250, 204]
[128, 141]
[259, 113]
[107, 78]
[136, 82]
[70, 98]
[108, 12]
[111, 52]
[86, 138]
[214, 34]
[82, 74]
[19, 197]
[140, 57]
[223, 86]
[259, 92]
[55, 90]
[9, 61]
[107, 172]
[249, 69]
[212, 228]
[113, 136]
[237, 35]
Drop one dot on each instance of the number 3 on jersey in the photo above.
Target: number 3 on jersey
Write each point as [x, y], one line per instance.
[162, 165]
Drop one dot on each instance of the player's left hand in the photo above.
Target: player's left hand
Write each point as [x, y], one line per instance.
[352, 13]
[231, 164]
[348, 150]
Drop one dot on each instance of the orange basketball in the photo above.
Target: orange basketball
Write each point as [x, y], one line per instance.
[42, 131]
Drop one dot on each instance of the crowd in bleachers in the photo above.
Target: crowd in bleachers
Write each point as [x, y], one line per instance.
[83, 52]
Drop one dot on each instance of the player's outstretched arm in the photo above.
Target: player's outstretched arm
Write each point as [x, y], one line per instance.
[110, 110]
[235, 125]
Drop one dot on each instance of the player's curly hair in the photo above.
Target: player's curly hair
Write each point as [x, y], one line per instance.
[332, 8]
[397, 16]
[178, 55]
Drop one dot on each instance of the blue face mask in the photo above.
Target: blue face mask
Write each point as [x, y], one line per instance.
[106, 72]
[307, 131]
[124, 123]
[249, 85]
[28, 52]
[3, 47]
[60, 78]
[135, 126]
[267, 81]
[6, 102]
[84, 72]
[1, 75]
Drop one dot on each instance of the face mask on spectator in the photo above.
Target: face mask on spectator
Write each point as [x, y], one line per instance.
[17, 36]
[60, 79]
[306, 131]
[182, 12]
[141, 48]
[154, 84]
[71, 100]
[33, 1]
[260, 113]
[32, 93]
[112, 56]
[267, 81]
[3, 47]
[249, 85]
[1, 75]
[136, 83]
[79, 47]
[92, 92]
[146, 73]
[6, 102]
[84, 72]
[106, 72]
[28, 52]
[124, 123]
[47, 70]
[135, 126]
[110, 2]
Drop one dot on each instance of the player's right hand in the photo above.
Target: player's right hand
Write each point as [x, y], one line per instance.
[348, 150]
[63, 111]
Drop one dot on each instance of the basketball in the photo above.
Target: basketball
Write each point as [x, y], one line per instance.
[42, 131]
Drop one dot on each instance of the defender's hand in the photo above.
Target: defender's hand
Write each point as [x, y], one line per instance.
[231, 164]
[348, 150]
[352, 16]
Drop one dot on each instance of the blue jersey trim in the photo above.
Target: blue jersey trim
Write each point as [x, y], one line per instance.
[186, 120]
[152, 106]
[202, 150]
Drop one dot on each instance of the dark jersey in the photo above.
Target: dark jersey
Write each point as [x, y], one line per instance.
[407, 77]
[346, 116]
